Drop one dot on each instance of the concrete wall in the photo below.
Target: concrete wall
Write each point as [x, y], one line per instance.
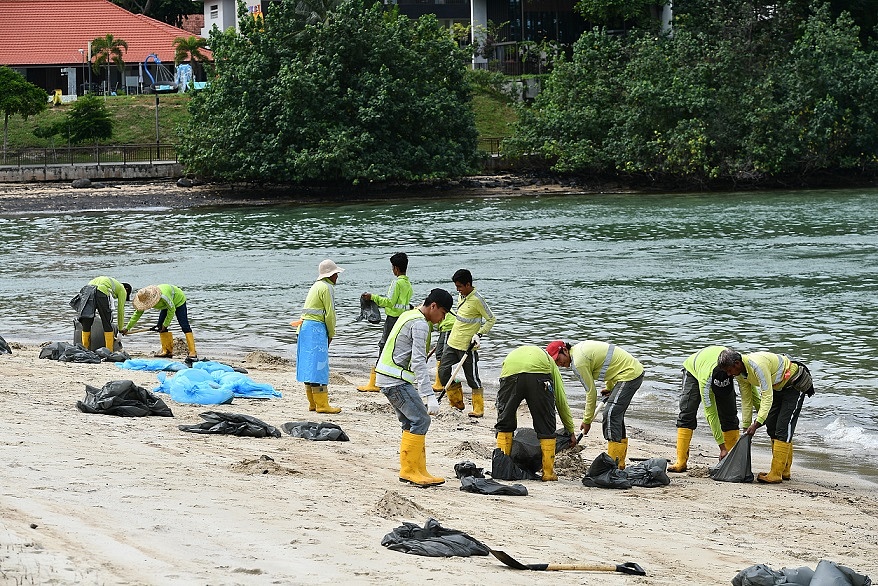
[93, 172]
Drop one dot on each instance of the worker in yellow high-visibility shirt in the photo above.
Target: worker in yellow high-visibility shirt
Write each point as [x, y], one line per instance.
[783, 384]
[472, 320]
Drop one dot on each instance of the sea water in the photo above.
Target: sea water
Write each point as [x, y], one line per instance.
[659, 275]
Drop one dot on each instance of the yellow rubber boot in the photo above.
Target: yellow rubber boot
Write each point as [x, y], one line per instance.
[504, 441]
[109, 340]
[437, 386]
[312, 406]
[624, 453]
[422, 463]
[86, 339]
[455, 396]
[547, 447]
[190, 343]
[167, 339]
[411, 453]
[478, 403]
[616, 450]
[786, 471]
[370, 387]
[684, 438]
[730, 438]
[780, 453]
[321, 400]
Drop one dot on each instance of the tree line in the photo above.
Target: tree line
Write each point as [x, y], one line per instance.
[738, 90]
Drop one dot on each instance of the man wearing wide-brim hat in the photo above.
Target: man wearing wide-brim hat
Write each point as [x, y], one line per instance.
[315, 334]
[171, 301]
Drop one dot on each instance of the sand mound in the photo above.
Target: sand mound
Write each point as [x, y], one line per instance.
[374, 407]
[569, 464]
[469, 449]
[265, 359]
[395, 506]
[337, 379]
[262, 465]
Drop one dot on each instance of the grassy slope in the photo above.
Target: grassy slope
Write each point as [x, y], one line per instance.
[134, 120]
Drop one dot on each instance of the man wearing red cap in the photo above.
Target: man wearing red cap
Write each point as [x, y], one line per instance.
[622, 374]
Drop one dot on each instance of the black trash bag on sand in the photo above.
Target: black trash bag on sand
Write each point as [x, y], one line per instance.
[66, 352]
[492, 487]
[504, 468]
[736, 466]
[604, 473]
[649, 473]
[4, 347]
[123, 398]
[318, 432]
[526, 451]
[231, 424]
[369, 311]
[827, 574]
[467, 468]
[108, 356]
[433, 540]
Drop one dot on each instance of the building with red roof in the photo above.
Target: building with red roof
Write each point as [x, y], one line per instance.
[49, 41]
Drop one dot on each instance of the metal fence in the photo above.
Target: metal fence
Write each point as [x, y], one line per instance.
[94, 155]
[490, 146]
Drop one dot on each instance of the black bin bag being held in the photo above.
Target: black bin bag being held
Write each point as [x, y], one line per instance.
[736, 466]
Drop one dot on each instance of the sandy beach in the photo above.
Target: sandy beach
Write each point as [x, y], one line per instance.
[98, 499]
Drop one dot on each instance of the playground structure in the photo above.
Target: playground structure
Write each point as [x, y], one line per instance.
[163, 82]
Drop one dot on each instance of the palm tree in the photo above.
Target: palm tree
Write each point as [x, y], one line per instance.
[106, 50]
[189, 49]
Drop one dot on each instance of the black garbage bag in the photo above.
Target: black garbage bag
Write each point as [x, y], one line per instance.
[433, 540]
[526, 451]
[66, 352]
[369, 311]
[83, 303]
[319, 432]
[492, 487]
[604, 473]
[736, 466]
[649, 473]
[827, 574]
[231, 424]
[467, 468]
[4, 347]
[504, 468]
[122, 398]
[108, 356]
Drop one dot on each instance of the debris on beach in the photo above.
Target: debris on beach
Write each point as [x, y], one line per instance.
[569, 464]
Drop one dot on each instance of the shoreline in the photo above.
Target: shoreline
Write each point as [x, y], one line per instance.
[21, 198]
[110, 500]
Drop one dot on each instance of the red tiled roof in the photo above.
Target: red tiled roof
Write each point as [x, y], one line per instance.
[51, 32]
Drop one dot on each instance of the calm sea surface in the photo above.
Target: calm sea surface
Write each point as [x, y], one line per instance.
[659, 275]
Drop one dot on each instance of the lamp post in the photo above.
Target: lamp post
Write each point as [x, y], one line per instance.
[82, 85]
